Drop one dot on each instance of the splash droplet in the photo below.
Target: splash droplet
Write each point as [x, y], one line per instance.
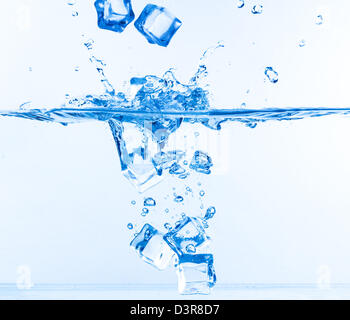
[130, 226]
[210, 213]
[179, 199]
[302, 43]
[319, 20]
[271, 74]
[149, 202]
[89, 44]
[168, 226]
[257, 9]
[75, 13]
[201, 193]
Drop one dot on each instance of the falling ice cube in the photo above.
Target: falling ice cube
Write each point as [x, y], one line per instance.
[152, 248]
[196, 274]
[114, 15]
[201, 162]
[136, 153]
[157, 24]
[188, 231]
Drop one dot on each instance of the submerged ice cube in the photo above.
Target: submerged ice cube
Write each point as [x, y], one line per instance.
[196, 274]
[201, 162]
[136, 153]
[188, 231]
[152, 248]
[114, 15]
[157, 24]
[271, 74]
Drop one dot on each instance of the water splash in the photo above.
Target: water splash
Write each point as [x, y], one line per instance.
[319, 20]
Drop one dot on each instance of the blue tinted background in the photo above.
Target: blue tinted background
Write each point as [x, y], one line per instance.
[282, 198]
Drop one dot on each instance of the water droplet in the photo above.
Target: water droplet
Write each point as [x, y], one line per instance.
[302, 43]
[144, 212]
[133, 202]
[201, 193]
[240, 4]
[210, 213]
[188, 189]
[257, 9]
[271, 74]
[191, 248]
[196, 134]
[166, 210]
[205, 224]
[319, 20]
[130, 226]
[149, 202]
[89, 44]
[75, 13]
[183, 215]
[76, 69]
[251, 125]
[185, 162]
[168, 226]
[71, 2]
[179, 199]
[243, 105]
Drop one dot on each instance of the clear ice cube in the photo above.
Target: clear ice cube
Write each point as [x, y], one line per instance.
[136, 153]
[157, 24]
[188, 231]
[196, 274]
[152, 248]
[201, 162]
[114, 15]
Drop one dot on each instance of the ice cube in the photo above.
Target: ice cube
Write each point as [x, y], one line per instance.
[136, 155]
[188, 231]
[152, 248]
[201, 162]
[196, 274]
[157, 24]
[114, 15]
